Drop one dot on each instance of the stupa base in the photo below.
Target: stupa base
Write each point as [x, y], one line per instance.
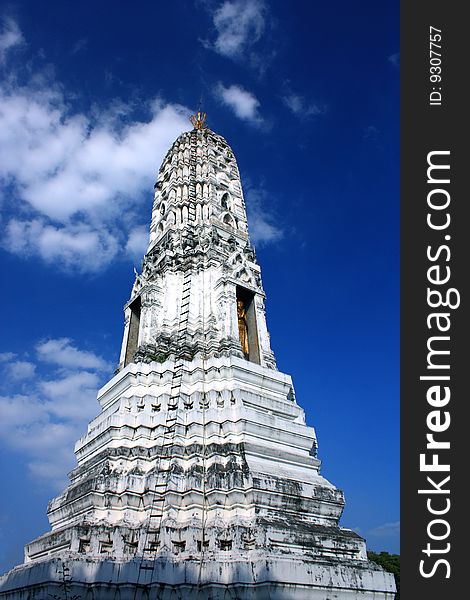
[252, 578]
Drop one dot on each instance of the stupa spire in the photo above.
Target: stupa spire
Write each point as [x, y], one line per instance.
[199, 120]
[199, 477]
[199, 257]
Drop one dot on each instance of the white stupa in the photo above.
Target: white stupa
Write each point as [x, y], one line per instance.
[199, 478]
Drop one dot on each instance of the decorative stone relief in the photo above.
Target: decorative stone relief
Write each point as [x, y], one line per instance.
[200, 472]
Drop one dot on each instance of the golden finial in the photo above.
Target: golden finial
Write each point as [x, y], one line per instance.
[198, 120]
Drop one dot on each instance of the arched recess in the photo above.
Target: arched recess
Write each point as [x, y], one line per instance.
[133, 334]
[247, 325]
[227, 219]
[225, 201]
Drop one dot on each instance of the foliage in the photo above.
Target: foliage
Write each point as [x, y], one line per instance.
[391, 563]
[159, 357]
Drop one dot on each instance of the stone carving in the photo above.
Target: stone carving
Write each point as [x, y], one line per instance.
[242, 327]
[200, 473]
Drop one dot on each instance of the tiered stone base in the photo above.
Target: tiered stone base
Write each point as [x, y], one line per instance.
[215, 578]
[211, 476]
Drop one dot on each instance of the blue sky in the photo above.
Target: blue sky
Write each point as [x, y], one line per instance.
[92, 96]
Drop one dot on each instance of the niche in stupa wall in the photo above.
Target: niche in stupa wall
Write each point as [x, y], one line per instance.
[225, 201]
[247, 324]
[229, 220]
[133, 331]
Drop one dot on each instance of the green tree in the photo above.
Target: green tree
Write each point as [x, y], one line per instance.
[391, 563]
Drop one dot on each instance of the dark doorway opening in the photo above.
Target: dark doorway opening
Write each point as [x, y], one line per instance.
[133, 337]
[247, 326]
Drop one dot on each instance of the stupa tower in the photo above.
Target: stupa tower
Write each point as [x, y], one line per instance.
[199, 478]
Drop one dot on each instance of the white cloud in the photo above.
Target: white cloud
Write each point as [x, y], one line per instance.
[63, 165]
[371, 133]
[394, 59]
[61, 352]
[21, 370]
[263, 225]
[387, 529]
[10, 36]
[239, 24]
[244, 104]
[73, 181]
[80, 45]
[137, 242]
[19, 411]
[44, 424]
[28, 427]
[80, 247]
[301, 107]
[51, 470]
[72, 395]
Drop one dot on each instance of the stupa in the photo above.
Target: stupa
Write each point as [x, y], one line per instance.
[199, 478]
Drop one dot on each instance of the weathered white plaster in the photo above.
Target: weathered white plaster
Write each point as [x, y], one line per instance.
[199, 477]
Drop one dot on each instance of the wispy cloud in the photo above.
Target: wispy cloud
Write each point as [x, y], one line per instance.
[62, 353]
[371, 133]
[76, 247]
[80, 45]
[238, 25]
[72, 182]
[386, 530]
[394, 59]
[137, 242]
[244, 104]
[301, 107]
[21, 369]
[45, 411]
[263, 223]
[10, 36]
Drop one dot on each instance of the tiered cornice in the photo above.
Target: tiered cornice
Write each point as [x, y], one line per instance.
[199, 477]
